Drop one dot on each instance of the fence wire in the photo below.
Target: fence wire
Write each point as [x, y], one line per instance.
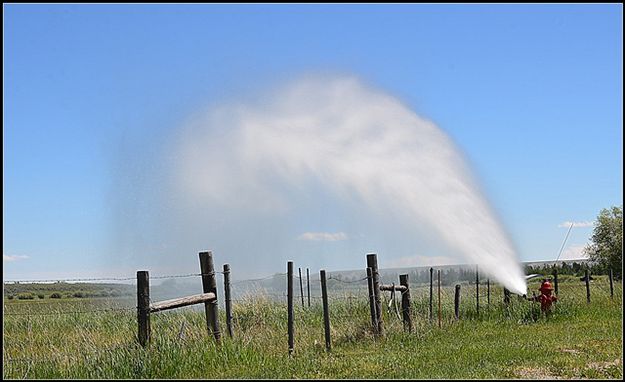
[47, 281]
[419, 293]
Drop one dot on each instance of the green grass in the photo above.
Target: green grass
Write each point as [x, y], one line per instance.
[577, 341]
[67, 290]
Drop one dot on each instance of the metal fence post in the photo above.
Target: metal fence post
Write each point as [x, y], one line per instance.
[488, 292]
[301, 286]
[477, 291]
[587, 279]
[326, 313]
[431, 281]
[439, 298]
[555, 280]
[308, 284]
[289, 293]
[457, 302]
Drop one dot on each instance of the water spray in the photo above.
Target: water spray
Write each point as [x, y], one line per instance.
[361, 145]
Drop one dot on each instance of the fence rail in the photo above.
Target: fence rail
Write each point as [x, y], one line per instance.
[182, 301]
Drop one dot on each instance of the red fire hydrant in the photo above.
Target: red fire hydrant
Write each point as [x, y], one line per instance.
[546, 298]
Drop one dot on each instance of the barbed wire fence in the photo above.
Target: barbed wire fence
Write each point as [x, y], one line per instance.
[355, 288]
[350, 291]
[268, 291]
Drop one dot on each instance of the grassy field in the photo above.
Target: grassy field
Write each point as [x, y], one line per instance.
[60, 290]
[96, 338]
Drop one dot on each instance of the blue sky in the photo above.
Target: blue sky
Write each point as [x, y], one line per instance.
[532, 94]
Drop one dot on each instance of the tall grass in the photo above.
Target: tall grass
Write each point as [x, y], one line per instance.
[97, 339]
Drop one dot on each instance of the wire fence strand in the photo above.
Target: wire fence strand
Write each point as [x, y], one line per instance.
[116, 278]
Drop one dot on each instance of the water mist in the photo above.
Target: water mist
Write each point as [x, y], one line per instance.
[358, 142]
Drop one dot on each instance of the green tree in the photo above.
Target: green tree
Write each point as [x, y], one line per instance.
[565, 269]
[606, 247]
[576, 268]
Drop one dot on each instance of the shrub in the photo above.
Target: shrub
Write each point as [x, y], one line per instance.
[78, 294]
[41, 296]
[10, 297]
[25, 296]
[55, 295]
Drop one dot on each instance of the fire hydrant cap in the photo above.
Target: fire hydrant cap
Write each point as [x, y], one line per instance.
[546, 285]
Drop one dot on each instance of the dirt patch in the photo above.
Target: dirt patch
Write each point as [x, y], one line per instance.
[601, 366]
[535, 373]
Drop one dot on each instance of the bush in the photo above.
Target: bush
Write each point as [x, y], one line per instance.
[78, 294]
[25, 296]
[10, 297]
[41, 296]
[55, 295]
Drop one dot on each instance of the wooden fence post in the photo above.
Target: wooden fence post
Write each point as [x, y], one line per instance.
[405, 303]
[555, 280]
[326, 313]
[431, 280]
[372, 261]
[477, 291]
[374, 321]
[228, 299]
[308, 284]
[611, 284]
[457, 302]
[439, 298]
[587, 279]
[289, 298]
[209, 285]
[143, 307]
[301, 286]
